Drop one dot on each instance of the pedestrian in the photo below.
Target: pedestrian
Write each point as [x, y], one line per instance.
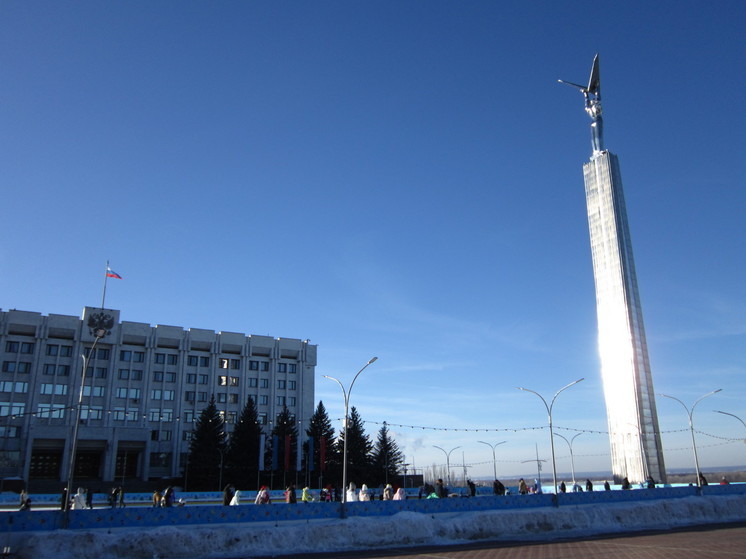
[113, 497]
[522, 487]
[352, 492]
[537, 487]
[120, 496]
[235, 498]
[400, 495]
[650, 482]
[228, 492]
[702, 479]
[724, 481]
[563, 487]
[498, 488]
[306, 496]
[472, 488]
[168, 497]
[588, 485]
[262, 497]
[388, 492]
[441, 490]
[79, 500]
[290, 496]
[25, 503]
[607, 487]
[88, 498]
[64, 503]
[157, 496]
[626, 484]
[364, 494]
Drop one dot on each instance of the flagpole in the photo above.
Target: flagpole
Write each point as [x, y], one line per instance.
[106, 276]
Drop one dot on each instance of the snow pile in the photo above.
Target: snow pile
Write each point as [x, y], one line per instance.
[402, 529]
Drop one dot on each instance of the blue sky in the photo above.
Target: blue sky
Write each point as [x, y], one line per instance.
[398, 179]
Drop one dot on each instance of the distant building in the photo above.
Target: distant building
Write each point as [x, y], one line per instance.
[145, 386]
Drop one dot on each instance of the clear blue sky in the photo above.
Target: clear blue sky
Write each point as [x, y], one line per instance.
[400, 179]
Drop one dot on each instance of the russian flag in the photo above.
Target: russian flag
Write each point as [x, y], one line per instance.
[112, 274]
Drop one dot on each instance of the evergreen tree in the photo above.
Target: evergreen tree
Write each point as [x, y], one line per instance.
[320, 427]
[284, 427]
[207, 450]
[386, 458]
[358, 449]
[242, 457]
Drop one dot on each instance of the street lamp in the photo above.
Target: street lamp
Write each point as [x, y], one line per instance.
[346, 394]
[494, 461]
[98, 333]
[551, 428]
[732, 415]
[689, 413]
[572, 457]
[448, 462]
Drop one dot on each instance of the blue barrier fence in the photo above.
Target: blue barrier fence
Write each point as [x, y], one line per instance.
[132, 517]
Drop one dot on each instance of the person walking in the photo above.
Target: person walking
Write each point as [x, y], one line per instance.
[290, 496]
[235, 499]
[441, 489]
[262, 497]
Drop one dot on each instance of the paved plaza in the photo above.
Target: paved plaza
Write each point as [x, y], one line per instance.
[715, 542]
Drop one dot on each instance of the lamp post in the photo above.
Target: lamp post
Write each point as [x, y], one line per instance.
[689, 414]
[346, 394]
[572, 457]
[98, 333]
[732, 415]
[494, 461]
[551, 427]
[448, 462]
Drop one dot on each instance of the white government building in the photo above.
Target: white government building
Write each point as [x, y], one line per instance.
[145, 386]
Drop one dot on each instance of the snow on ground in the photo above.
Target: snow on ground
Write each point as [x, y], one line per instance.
[236, 541]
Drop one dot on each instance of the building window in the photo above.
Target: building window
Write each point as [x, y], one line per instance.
[232, 398]
[102, 353]
[91, 412]
[10, 367]
[156, 394]
[124, 374]
[235, 364]
[12, 347]
[56, 389]
[230, 417]
[282, 367]
[262, 418]
[189, 396]
[191, 378]
[100, 372]
[222, 381]
[51, 411]
[19, 387]
[9, 432]
[64, 370]
[157, 376]
[264, 383]
[187, 436]
[16, 408]
[264, 365]
[253, 365]
[203, 379]
[119, 414]
[154, 415]
[27, 347]
[204, 361]
[136, 374]
[53, 350]
[93, 391]
[160, 358]
[222, 398]
[291, 385]
[292, 368]
[189, 416]
[24, 367]
[125, 355]
[49, 368]
[281, 384]
[202, 396]
[168, 394]
[233, 381]
[253, 382]
[192, 360]
[223, 363]
[263, 400]
[170, 377]
[138, 356]
[280, 400]
[291, 401]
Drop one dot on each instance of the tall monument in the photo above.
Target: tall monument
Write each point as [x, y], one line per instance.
[636, 450]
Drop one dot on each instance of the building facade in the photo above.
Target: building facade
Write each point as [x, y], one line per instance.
[145, 386]
[636, 448]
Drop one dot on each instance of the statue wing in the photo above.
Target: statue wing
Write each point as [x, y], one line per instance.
[580, 87]
[594, 82]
